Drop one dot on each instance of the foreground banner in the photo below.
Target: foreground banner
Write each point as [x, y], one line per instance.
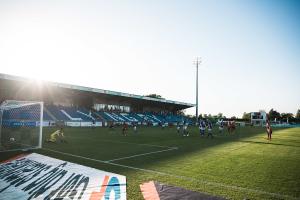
[41, 177]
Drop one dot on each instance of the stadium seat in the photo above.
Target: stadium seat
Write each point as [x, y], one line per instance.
[64, 113]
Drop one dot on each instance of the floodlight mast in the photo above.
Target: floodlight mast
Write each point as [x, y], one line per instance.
[197, 62]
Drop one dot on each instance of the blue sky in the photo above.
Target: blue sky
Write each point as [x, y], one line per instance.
[250, 49]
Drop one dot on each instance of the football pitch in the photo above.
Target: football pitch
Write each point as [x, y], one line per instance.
[243, 165]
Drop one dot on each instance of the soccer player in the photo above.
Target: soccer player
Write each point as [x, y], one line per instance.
[162, 125]
[269, 130]
[229, 126]
[55, 135]
[124, 129]
[202, 127]
[93, 124]
[209, 127]
[111, 125]
[178, 127]
[62, 136]
[185, 131]
[221, 126]
[134, 128]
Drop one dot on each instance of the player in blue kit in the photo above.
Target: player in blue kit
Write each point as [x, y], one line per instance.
[209, 127]
[202, 127]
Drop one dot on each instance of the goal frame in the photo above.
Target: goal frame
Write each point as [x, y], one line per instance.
[8, 104]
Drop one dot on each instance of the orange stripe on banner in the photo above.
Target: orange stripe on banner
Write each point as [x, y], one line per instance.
[99, 195]
[149, 191]
[14, 158]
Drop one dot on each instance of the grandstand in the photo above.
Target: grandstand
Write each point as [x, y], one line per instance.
[83, 106]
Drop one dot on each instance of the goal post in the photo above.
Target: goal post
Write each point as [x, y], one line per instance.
[21, 125]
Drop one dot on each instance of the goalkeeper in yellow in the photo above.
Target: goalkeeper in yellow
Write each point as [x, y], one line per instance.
[59, 134]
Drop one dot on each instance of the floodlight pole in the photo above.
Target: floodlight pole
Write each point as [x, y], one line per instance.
[197, 62]
[41, 124]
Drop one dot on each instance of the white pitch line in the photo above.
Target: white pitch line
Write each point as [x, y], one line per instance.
[182, 177]
[73, 155]
[137, 155]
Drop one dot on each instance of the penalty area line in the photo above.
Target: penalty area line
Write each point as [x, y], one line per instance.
[255, 191]
[143, 154]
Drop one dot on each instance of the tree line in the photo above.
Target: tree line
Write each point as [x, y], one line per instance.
[275, 115]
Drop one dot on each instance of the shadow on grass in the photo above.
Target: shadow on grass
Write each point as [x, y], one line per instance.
[269, 143]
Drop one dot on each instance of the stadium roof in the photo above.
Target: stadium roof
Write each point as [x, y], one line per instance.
[98, 91]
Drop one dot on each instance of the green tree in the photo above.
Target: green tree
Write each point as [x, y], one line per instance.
[298, 114]
[181, 112]
[156, 96]
[246, 116]
[288, 117]
[220, 115]
[274, 114]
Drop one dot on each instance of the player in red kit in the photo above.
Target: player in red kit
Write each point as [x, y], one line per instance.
[124, 129]
[269, 130]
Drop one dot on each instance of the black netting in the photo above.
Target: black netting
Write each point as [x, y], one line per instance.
[20, 126]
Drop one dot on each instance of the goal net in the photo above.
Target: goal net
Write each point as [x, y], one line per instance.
[20, 125]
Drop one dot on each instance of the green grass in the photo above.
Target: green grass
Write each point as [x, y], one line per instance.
[237, 166]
